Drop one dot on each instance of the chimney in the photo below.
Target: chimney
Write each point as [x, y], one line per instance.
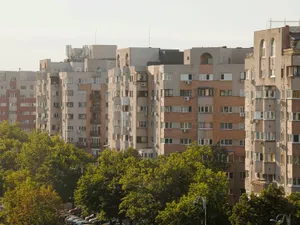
[287, 37]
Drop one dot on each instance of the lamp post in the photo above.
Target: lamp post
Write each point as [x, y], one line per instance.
[284, 216]
[204, 205]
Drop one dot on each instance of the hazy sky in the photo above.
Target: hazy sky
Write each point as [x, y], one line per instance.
[36, 29]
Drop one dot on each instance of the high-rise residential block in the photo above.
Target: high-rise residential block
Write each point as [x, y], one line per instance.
[17, 98]
[162, 108]
[272, 110]
[71, 96]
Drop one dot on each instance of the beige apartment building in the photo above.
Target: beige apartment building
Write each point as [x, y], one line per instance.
[17, 98]
[163, 108]
[272, 105]
[71, 96]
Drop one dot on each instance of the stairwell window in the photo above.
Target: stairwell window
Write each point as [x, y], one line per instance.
[167, 93]
[226, 93]
[166, 141]
[205, 109]
[205, 92]
[185, 92]
[185, 141]
[226, 109]
[205, 142]
[226, 142]
[186, 109]
[185, 125]
[226, 126]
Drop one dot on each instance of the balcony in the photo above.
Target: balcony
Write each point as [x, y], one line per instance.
[95, 120]
[81, 144]
[95, 133]
[95, 96]
[291, 51]
[95, 108]
[95, 145]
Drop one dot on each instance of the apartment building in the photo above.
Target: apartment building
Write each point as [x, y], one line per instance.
[17, 98]
[272, 105]
[128, 95]
[71, 96]
[164, 108]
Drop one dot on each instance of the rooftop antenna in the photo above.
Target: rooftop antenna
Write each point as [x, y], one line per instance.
[149, 36]
[96, 37]
[283, 21]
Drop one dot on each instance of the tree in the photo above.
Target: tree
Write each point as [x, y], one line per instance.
[99, 189]
[256, 210]
[53, 162]
[31, 204]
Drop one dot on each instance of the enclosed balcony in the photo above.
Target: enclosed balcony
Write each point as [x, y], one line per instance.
[95, 96]
[95, 121]
[95, 108]
[95, 133]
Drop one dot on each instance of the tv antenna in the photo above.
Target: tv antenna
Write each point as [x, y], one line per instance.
[283, 21]
[96, 36]
[149, 36]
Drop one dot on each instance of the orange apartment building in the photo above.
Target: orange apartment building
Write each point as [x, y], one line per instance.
[17, 98]
[161, 109]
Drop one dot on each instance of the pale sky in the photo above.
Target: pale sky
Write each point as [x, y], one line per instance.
[37, 29]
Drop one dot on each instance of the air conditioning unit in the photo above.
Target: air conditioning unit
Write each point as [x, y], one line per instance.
[143, 84]
[255, 120]
[277, 144]
[186, 98]
[188, 82]
[242, 114]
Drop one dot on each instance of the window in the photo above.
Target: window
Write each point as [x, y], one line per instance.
[270, 115]
[205, 142]
[186, 77]
[295, 116]
[56, 104]
[82, 128]
[186, 109]
[263, 48]
[167, 125]
[70, 128]
[206, 77]
[229, 175]
[204, 125]
[241, 126]
[205, 91]
[186, 125]
[226, 126]
[69, 92]
[70, 140]
[243, 75]
[273, 47]
[96, 80]
[166, 76]
[185, 92]
[142, 139]
[70, 116]
[81, 104]
[143, 124]
[166, 141]
[81, 116]
[265, 136]
[295, 138]
[269, 94]
[226, 93]
[143, 93]
[185, 141]
[23, 87]
[81, 92]
[226, 76]
[166, 92]
[242, 142]
[70, 104]
[205, 109]
[226, 142]
[226, 109]
[258, 156]
[293, 93]
[69, 80]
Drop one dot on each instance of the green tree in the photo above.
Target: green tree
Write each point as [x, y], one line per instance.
[31, 204]
[256, 210]
[99, 189]
[53, 162]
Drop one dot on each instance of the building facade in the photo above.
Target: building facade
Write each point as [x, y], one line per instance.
[272, 105]
[17, 98]
[71, 96]
[163, 108]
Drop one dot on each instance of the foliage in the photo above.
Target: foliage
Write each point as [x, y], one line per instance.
[99, 190]
[256, 210]
[31, 204]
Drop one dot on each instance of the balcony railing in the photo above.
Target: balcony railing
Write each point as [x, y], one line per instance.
[95, 97]
[95, 108]
[95, 121]
[95, 145]
[81, 144]
[95, 133]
